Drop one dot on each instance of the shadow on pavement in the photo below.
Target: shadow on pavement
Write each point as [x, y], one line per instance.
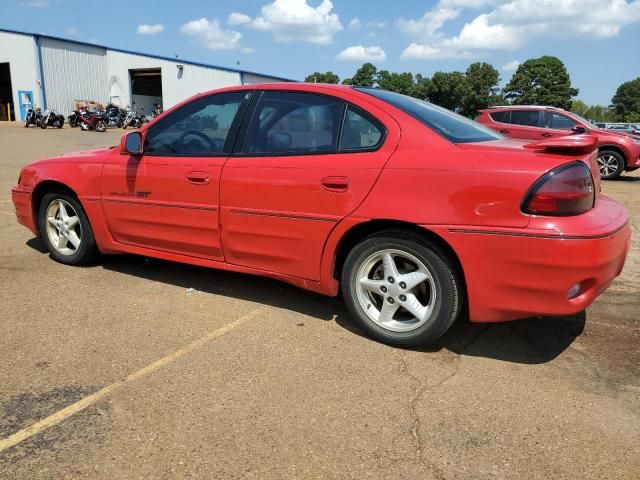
[527, 341]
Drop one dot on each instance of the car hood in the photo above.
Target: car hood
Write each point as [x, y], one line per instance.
[95, 155]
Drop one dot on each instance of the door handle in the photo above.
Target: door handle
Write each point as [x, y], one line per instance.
[504, 130]
[335, 184]
[546, 135]
[198, 178]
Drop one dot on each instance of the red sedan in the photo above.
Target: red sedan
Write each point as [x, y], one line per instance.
[414, 212]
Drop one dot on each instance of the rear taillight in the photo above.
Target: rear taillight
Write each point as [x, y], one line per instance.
[567, 190]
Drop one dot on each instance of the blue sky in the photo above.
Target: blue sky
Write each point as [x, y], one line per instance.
[599, 40]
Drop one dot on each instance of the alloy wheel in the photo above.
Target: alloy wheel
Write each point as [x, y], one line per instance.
[63, 227]
[608, 164]
[396, 290]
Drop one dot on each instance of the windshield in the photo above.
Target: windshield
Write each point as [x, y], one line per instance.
[453, 127]
[585, 121]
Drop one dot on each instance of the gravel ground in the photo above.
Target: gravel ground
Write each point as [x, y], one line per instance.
[293, 391]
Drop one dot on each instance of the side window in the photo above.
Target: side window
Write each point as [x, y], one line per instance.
[558, 121]
[502, 117]
[358, 132]
[294, 123]
[527, 118]
[199, 128]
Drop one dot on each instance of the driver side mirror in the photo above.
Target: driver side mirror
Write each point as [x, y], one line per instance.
[578, 129]
[131, 144]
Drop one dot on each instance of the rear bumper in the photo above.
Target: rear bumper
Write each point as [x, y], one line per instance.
[511, 276]
[22, 204]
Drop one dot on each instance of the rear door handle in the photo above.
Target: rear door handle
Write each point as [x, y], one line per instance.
[199, 178]
[335, 184]
[546, 135]
[504, 130]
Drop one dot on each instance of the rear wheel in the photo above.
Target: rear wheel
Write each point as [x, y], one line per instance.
[401, 289]
[611, 164]
[101, 127]
[65, 229]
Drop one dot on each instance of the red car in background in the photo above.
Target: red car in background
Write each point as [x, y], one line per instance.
[617, 151]
[413, 212]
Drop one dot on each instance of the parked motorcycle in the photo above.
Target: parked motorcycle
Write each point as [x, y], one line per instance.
[134, 119]
[114, 116]
[51, 119]
[157, 110]
[74, 118]
[93, 121]
[33, 117]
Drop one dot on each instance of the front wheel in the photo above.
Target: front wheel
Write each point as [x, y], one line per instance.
[43, 125]
[101, 127]
[401, 289]
[611, 164]
[65, 229]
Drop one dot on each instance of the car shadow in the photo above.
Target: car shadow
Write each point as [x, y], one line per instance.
[527, 341]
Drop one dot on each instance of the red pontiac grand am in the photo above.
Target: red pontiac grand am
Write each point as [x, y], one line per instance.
[412, 211]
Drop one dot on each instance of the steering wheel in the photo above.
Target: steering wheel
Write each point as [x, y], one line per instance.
[212, 146]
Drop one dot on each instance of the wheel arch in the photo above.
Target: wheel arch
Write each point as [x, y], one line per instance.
[615, 148]
[362, 230]
[44, 187]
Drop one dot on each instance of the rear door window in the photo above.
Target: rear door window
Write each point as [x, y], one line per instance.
[292, 123]
[526, 118]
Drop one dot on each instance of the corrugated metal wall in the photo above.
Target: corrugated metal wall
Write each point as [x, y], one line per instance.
[176, 85]
[73, 72]
[252, 79]
[20, 51]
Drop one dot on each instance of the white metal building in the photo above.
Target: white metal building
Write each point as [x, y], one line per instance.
[55, 73]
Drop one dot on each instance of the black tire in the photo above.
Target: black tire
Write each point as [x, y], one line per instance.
[87, 251]
[101, 127]
[446, 278]
[43, 125]
[610, 163]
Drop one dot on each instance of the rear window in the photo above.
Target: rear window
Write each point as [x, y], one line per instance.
[453, 127]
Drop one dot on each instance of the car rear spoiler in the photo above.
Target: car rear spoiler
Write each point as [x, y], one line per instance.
[569, 144]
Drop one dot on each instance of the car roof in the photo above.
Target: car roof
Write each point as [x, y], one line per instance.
[522, 107]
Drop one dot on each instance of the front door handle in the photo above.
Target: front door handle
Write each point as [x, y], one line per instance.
[335, 184]
[504, 130]
[199, 178]
[546, 135]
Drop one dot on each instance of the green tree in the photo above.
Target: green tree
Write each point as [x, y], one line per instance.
[541, 81]
[626, 101]
[579, 107]
[482, 82]
[396, 82]
[421, 87]
[449, 89]
[326, 77]
[599, 113]
[365, 76]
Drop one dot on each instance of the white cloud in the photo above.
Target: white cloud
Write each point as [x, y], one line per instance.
[376, 24]
[363, 54]
[72, 31]
[296, 20]
[510, 23]
[238, 19]
[511, 66]
[146, 29]
[211, 35]
[355, 24]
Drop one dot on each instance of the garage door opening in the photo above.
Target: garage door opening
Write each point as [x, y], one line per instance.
[146, 89]
[7, 108]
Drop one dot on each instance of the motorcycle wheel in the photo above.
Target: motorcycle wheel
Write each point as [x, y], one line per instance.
[43, 125]
[26, 123]
[101, 127]
[58, 124]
